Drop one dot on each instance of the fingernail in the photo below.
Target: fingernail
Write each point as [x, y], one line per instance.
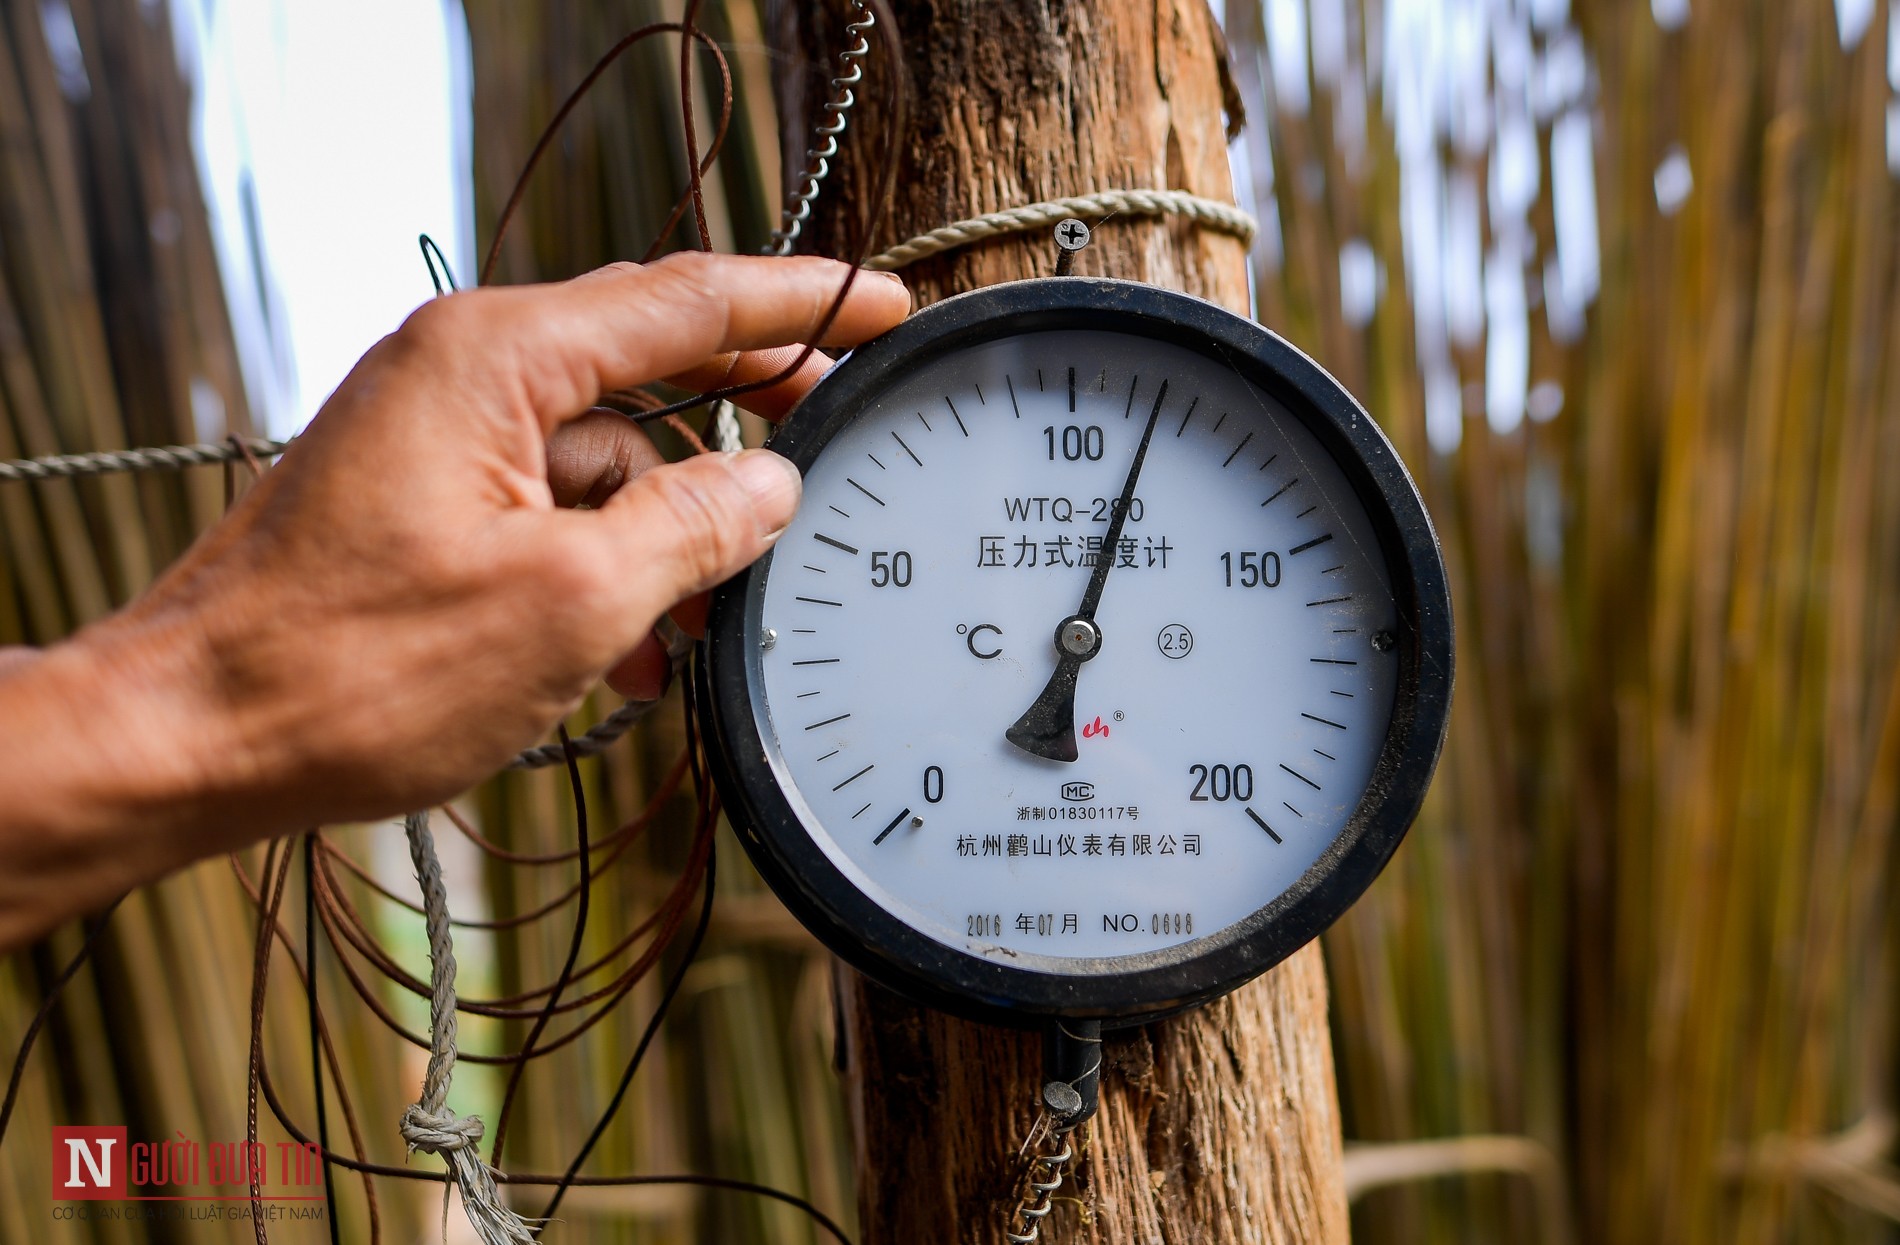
[891, 276]
[773, 483]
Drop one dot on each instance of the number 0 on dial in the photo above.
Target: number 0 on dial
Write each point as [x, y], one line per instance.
[1105, 664]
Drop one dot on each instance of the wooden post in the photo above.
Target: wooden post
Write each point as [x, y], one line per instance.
[1220, 1126]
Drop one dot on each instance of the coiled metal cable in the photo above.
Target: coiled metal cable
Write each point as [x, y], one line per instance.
[818, 158]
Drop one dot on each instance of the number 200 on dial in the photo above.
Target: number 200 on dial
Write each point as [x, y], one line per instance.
[1105, 663]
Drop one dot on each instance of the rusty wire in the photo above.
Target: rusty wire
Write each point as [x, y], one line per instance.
[328, 905]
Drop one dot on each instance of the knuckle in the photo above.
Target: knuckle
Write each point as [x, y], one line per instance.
[571, 574]
[441, 324]
[619, 268]
[687, 282]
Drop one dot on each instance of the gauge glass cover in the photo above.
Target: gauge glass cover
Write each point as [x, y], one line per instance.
[1248, 735]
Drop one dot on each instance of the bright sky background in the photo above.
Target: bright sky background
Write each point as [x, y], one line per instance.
[331, 134]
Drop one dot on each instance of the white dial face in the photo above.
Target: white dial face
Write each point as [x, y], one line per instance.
[1225, 727]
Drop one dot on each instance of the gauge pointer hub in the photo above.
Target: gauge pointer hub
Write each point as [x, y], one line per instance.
[1047, 727]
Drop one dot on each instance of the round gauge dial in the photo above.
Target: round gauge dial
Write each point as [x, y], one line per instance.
[1104, 664]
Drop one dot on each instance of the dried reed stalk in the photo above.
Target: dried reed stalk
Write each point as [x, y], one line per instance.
[1647, 917]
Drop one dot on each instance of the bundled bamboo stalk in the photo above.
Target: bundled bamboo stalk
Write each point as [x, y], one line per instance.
[113, 332]
[1646, 919]
[738, 1083]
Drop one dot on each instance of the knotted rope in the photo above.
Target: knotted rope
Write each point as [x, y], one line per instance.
[1220, 217]
[428, 1124]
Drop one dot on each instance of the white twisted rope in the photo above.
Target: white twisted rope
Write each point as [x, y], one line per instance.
[428, 1124]
[727, 438]
[593, 743]
[615, 724]
[148, 458]
[1220, 217]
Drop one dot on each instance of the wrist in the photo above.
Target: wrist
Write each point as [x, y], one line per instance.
[163, 699]
[124, 761]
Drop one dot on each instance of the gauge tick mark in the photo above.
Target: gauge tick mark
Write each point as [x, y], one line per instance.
[1012, 397]
[1338, 726]
[1071, 391]
[1314, 543]
[819, 661]
[827, 722]
[1236, 454]
[1329, 601]
[953, 415]
[1282, 489]
[1188, 416]
[820, 601]
[867, 492]
[823, 539]
[1302, 777]
[885, 833]
[1260, 821]
[1133, 385]
[874, 458]
[861, 773]
[907, 449]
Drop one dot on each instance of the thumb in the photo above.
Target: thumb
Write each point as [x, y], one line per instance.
[684, 527]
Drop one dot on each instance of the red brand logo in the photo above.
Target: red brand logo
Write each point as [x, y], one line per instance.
[88, 1164]
[1097, 727]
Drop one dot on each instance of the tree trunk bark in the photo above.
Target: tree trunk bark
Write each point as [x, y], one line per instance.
[1220, 1126]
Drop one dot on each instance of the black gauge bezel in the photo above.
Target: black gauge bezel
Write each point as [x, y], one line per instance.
[1123, 989]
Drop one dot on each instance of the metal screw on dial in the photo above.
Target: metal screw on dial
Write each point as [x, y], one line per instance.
[1071, 236]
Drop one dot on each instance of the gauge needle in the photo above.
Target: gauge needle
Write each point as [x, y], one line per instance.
[1047, 728]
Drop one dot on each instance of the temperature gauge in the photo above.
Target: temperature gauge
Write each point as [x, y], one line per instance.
[1105, 664]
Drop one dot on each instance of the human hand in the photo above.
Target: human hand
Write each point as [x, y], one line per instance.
[401, 604]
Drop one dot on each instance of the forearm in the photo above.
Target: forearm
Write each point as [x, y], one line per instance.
[109, 773]
[400, 605]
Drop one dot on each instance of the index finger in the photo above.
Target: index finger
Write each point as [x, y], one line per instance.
[748, 367]
[565, 345]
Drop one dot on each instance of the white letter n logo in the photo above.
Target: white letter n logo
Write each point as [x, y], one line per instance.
[100, 1169]
[92, 1166]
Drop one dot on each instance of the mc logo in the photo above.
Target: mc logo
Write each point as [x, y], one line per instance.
[88, 1164]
